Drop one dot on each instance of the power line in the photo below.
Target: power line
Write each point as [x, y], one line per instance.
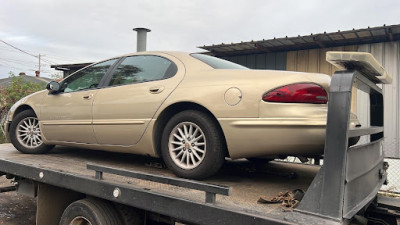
[49, 61]
[40, 57]
[11, 66]
[16, 60]
[8, 49]
[20, 64]
[12, 46]
[64, 58]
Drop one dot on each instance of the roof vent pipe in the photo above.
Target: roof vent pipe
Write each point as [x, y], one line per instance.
[141, 38]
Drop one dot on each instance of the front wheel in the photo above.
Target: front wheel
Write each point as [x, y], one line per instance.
[192, 145]
[25, 134]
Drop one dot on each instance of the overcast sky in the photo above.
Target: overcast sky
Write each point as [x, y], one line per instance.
[71, 31]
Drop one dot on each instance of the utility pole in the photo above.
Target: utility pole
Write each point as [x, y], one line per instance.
[39, 63]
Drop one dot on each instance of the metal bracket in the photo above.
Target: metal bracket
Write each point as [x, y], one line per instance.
[210, 189]
[335, 192]
[8, 189]
[27, 187]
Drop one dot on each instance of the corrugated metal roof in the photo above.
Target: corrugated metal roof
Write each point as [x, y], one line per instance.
[67, 67]
[322, 40]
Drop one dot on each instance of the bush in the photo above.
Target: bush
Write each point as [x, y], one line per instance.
[11, 94]
[17, 90]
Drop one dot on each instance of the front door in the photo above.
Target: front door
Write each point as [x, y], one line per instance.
[67, 116]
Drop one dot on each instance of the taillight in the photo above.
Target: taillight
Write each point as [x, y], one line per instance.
[298, 93]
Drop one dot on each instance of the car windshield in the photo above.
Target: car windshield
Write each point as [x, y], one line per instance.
[217, 63]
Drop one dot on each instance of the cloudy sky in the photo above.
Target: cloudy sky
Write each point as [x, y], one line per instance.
[73, 31]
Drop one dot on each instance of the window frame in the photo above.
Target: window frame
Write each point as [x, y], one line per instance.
[100, 85]
[122, 59]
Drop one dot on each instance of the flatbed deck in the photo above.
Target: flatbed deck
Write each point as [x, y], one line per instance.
[248, 182]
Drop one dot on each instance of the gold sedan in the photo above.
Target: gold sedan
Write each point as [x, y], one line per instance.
[192, 110]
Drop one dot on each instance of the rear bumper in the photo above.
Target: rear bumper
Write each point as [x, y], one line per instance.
[257, 137]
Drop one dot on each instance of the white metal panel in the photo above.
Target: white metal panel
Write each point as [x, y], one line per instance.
[388, 54]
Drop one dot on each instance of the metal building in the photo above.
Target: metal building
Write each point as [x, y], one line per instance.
[307, 54]
[68, 69]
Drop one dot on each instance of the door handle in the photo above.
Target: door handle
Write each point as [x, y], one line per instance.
[156, 89]
[88, 97]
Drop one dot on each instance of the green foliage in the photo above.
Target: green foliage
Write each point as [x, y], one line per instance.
[11, 94]
[17, 90]
[56, 76]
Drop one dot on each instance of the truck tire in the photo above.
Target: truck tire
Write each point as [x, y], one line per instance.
[192, 145]
[90, 211]
[25, 134]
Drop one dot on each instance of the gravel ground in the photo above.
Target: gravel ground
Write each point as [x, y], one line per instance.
[16, 209]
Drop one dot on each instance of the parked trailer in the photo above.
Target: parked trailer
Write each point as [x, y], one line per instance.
[82, 187]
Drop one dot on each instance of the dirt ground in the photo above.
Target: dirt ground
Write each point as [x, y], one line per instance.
[16, 209]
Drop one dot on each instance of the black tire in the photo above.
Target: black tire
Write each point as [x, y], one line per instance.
[353, 141]
[38, 148]
[213, 156]
[90, 211]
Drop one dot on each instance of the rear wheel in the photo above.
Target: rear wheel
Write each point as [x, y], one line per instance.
[25, 134]
[90, 212]
[192, 146]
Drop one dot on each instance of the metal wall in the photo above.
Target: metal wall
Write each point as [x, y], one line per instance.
[388, 54]
[314, 61]
[273, 61]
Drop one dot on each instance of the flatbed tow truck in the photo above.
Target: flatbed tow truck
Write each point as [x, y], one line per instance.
[107, 188]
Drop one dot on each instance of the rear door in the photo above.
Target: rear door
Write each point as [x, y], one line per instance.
[134, 91]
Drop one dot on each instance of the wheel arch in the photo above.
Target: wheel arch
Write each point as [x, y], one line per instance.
[22, 108]
[18, 110]
[170, 111]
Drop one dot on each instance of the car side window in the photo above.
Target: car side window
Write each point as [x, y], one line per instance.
[87, 78]
[143, 68]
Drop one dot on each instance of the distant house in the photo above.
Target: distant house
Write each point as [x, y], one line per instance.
[25, 79]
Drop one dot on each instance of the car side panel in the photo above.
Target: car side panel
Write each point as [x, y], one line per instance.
[121, 114]
[252, 127]
[68, 117]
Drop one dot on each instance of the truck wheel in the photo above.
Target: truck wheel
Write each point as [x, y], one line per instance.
[25, 134]
[90, 212]
[192, 146]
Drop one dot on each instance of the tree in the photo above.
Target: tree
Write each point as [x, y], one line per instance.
[56, 76]
[11, 94]
[17, 90]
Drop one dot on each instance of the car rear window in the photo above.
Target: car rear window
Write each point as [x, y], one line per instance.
[217, 63]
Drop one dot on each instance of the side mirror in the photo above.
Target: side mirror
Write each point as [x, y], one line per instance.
[53, 87]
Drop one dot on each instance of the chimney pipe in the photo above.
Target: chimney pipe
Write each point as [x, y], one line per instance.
[141, 38]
